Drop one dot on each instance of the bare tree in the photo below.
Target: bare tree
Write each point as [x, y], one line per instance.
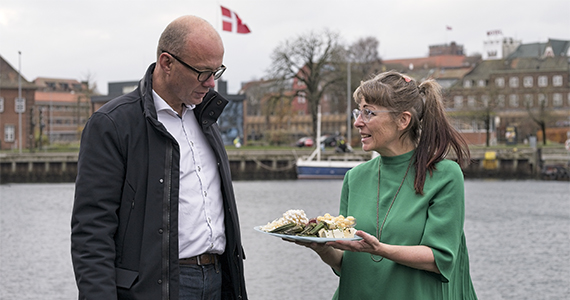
[314, 60]
[365, 58]
[540, 116]
[88, 89]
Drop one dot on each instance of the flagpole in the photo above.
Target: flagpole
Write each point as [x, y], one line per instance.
[216, 27]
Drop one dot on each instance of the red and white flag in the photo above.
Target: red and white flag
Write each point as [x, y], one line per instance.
[232, 23]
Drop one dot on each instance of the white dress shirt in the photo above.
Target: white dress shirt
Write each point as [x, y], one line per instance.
[201, 210]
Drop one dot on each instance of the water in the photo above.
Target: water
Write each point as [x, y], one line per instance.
[518, 234]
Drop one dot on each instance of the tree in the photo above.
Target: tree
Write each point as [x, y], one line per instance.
[88, 89]
[541, 116]
[314, 60]
[364, 56]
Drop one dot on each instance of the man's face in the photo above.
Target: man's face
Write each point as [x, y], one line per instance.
[190, 76]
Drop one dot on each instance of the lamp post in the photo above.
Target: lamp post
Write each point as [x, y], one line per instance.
[19, 102]
[348, 111]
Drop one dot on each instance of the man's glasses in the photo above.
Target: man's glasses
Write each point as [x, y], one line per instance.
[202, 75]
[367, 114]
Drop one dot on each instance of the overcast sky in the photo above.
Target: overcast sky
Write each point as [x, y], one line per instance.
[115, 40]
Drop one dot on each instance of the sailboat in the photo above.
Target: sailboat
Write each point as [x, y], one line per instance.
[334, 167]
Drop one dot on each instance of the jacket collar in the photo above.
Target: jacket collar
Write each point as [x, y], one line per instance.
[207, 112]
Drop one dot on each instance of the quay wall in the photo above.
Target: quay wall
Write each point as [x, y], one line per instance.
[280, 164]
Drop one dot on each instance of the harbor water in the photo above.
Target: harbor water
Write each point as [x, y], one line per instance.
[518, 235]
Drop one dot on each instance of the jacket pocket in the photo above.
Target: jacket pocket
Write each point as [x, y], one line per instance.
[125, 210]
[125, 278]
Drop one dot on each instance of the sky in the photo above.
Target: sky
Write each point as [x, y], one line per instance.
[115, 40]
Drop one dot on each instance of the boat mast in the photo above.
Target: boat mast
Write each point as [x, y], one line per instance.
[318, 139]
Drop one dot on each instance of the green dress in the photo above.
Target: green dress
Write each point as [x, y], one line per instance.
[434, 219]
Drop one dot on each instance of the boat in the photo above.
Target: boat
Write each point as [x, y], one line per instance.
[334, 167]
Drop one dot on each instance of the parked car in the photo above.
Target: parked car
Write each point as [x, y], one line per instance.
[305, 142]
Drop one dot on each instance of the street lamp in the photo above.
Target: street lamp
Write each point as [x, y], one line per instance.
[20, 105]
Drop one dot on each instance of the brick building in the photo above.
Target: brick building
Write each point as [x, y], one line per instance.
[530, 84]
[11, 84]
[62, 107]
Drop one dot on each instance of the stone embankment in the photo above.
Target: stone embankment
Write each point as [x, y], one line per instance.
[504, 163]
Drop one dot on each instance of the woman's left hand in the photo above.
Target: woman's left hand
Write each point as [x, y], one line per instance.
[368, 243]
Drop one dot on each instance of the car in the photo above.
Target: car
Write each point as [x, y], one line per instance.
[305, 142]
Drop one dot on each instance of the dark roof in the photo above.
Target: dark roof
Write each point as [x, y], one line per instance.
[559, 48]
[486, 68]
[116, 89]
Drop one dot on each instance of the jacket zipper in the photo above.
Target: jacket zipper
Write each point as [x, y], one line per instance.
[166, 223]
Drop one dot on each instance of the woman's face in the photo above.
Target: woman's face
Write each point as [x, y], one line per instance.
[381, 133]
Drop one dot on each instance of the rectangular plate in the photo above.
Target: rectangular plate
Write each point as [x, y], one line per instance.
[306, 239]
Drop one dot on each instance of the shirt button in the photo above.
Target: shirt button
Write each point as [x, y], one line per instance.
[161, 180]
[205, 194]
[159, 281]
[209, 220]
[199, 169]
[160, 231]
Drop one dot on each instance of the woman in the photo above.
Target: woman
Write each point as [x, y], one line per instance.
[408, 202]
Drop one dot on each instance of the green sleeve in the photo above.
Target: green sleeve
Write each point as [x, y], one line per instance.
[446, 213]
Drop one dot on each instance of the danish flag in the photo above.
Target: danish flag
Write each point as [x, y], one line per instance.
[232, 23]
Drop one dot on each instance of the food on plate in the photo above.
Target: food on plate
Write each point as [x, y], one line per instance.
[295, 222]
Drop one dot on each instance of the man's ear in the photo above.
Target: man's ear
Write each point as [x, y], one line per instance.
[165, 62]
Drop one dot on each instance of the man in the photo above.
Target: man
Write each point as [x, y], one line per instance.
[154, 214]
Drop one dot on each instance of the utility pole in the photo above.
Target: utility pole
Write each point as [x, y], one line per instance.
[22, 107]
[348, 111]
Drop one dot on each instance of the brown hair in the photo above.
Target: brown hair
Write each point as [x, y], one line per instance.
[429, 128]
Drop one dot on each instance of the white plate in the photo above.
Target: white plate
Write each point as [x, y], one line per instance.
[307, 239]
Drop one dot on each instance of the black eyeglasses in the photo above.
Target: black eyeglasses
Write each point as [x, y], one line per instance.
[202, 75]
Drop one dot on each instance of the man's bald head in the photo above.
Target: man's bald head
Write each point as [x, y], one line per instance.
[177, 35]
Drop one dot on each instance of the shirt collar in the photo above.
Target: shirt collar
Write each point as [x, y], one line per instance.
[160, 104]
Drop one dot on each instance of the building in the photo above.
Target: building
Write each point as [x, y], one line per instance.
[115, 89]
[230, 122]
[62, 107]
[16, 133]
[514, 94]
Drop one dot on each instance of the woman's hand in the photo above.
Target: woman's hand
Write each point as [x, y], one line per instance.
[368, 243]
[416, 256]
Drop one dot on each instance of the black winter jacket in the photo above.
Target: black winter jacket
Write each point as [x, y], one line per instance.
[124, 237]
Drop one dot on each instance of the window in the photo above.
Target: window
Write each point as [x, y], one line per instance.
[458, 101]
[500, 81]
[467, 83]
[9, 133]
[301, 98]
[542, 81]
[501, 101]
[1, 104]
[557, 100]
[485, 100]
[481, 83]
[514, 82]
[514, 100]
[542, 100]
[471, 101]
[528, 100]
[527, 81]
[557, 80]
